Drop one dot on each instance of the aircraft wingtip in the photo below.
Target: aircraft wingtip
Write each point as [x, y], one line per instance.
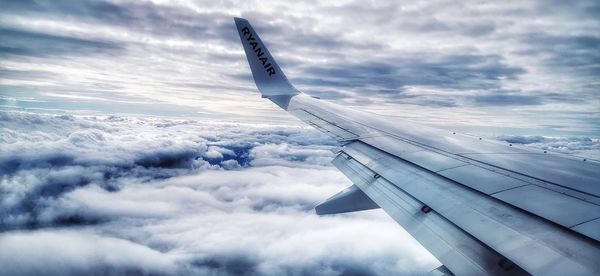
[239, 19]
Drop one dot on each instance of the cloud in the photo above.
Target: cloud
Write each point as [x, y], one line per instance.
[561, 52]
[139, 16]
[180, 57]
[459, 71]
[66, 152]
[197, 197]
[27, 43]
[180, 196]
[583, 146]
[74, 253]
[507, 99]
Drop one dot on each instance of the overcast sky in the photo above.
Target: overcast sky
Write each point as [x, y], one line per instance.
[523, 66]
[133, 139]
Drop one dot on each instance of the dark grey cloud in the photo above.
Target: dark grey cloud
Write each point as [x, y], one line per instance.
[566, 52]
[423, 19]
[27, 43]
[140, 16]
[25, 75]
[464, 71]
[519, 98]
[507, 99]
[575, 10]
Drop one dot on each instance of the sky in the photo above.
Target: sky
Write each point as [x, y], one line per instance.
[134, 141]
[527, 67]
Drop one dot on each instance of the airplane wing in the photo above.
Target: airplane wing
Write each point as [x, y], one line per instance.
[479, 206]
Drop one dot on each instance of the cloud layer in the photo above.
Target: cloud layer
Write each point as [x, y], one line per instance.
[164, 196]
[150, 195]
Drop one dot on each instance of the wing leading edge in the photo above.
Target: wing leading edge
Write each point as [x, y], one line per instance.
[478, 206]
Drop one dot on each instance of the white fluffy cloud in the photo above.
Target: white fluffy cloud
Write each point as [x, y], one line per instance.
[189, 197]
[65, 252]
[582, 146]
[164, 193]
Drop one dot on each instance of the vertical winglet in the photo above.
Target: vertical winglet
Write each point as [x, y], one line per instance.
[267, 75]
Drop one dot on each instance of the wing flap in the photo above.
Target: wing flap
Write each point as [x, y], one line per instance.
[455, 248]
[590, 229]
[486, 181]
[564, 210]
[351, 199]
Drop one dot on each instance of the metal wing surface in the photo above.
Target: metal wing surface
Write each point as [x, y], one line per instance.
[479, 206]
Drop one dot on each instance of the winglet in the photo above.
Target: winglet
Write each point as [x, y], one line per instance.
[267, 75]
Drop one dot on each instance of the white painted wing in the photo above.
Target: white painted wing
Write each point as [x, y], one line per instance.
[480, 207]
